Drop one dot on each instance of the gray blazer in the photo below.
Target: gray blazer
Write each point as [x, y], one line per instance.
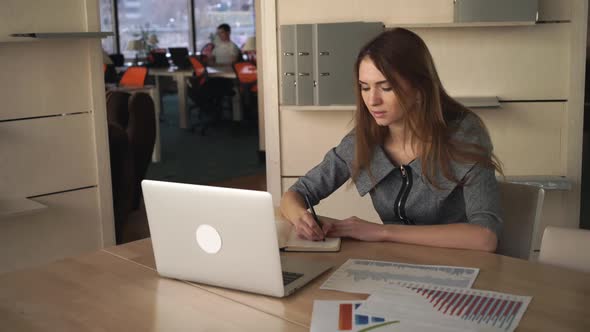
[401, 195]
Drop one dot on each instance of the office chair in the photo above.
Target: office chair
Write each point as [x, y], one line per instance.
[566, 247]
[110, 74]
[132, 133]
[134, 77]
[118, 59]
[206, 93]
[522, 206]
[142, 136]
[247, 76]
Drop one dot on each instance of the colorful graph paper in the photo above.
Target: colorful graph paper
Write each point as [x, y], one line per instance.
[448, 305]
[344, 316]
[349, 319]
[367, 276]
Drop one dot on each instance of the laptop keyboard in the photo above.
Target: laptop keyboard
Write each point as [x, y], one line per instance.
[289, 277]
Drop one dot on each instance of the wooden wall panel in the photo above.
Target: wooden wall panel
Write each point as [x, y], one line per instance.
[527, 136]
[306, 136]
[46, 155]
[512, 63]
[69, 226]
[18, 16]
[54, 83]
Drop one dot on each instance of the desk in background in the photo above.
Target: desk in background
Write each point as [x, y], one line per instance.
[118, 289]
[228, 72]
[179, 75]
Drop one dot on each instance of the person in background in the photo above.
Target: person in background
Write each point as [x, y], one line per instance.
[225, 51]
[425, 159]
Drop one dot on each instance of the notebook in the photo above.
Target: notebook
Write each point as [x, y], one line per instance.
[289, 241]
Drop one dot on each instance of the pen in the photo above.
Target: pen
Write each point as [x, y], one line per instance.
[315, 216]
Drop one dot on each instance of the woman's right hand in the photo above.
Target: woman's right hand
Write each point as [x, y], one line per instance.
[307, 228]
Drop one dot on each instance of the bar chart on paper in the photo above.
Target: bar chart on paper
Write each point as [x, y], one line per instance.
[449, 305]
[366, 276]
[342, 316]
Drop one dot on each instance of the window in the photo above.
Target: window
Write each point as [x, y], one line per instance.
[170, 24]
[167, 20]
[209, 14]
[107, 24]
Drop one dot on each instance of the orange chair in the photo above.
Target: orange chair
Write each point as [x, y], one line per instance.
[199, 69]
[247, 76]
[134, 77]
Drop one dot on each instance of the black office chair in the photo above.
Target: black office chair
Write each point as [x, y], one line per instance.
[118, 59]
[207, 94]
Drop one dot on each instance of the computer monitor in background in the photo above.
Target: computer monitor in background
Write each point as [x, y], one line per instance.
[179, 57]
[157, 58]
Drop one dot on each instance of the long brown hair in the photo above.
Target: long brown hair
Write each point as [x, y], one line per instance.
[401, 54]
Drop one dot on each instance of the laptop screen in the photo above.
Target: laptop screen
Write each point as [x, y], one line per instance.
[179, 57]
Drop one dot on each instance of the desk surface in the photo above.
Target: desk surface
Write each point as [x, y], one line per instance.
[170, 71]
[118, 289]
[221, 71]
[101, 292]
[561, 297]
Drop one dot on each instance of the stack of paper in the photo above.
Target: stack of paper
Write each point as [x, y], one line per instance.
[411, 297]
[366, 276]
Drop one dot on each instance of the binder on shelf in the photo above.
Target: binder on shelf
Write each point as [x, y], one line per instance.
[316, 61]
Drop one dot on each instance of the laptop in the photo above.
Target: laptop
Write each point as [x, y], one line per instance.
[179, 57]
[158, 59]
[222, 237]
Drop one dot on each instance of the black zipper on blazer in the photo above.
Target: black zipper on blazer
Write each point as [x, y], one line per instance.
[400, 201]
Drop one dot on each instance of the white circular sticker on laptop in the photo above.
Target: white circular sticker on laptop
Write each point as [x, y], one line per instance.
[208, 239]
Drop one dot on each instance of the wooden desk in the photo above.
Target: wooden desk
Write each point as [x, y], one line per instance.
[221, 71]
[101, 292]
[179, 75]
[561, 297]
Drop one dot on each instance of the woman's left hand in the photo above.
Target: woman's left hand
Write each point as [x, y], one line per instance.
[355, 228]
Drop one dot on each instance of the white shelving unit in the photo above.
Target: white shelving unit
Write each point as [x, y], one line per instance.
[55, 198]
[471, 102]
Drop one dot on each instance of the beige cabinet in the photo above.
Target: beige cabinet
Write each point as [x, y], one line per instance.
[54, 144]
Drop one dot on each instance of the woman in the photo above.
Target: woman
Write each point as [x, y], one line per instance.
[425, 159]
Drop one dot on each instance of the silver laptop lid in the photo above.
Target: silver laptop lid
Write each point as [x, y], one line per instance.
[216, 236]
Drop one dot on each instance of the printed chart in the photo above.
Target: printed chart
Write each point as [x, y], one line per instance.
[342, 316]
[367, 276]
[448, 306]
[336, 316]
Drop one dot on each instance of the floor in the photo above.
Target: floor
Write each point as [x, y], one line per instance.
[137, 226]
[226, 155]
